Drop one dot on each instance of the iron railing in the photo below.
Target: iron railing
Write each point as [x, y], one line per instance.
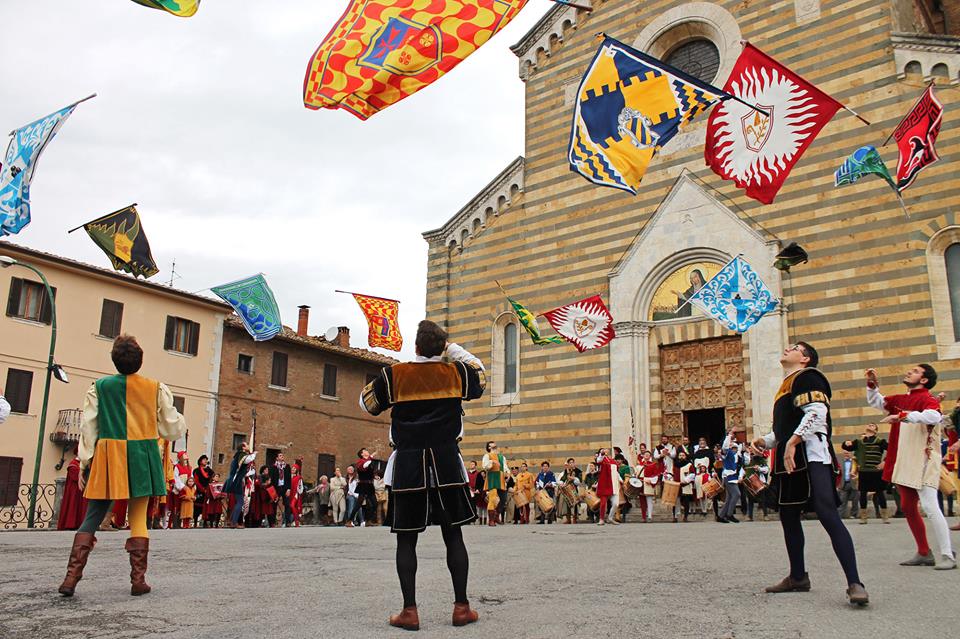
[17, 514]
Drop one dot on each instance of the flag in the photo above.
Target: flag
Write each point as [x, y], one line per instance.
[123, 239]
[628, 106]
[529, 323]
[182, 8]
[586, 324]
[382, 321]
[915, 136]
[790, 256]
[19, 163]
[253, 301]
[736, 296]
[381, 51]
[864, 161]
[757, 152]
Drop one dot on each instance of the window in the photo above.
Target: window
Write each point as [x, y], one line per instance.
[699, 58]
[28, 300]
[178, 403]
[180, 444]
[219, 458]
[182, 336]
[245, 363]
[330, 380]
[17, 391]
[238, 438]
[111, 316]
[278, 376]
[9, 480]
[952, 258]
[510, 358]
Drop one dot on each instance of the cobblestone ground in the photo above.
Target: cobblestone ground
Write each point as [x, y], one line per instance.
[697, 580]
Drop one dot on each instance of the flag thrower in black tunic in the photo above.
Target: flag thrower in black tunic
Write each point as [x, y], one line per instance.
[425, 474]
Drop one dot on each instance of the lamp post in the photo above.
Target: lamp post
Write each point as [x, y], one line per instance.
[6, 261]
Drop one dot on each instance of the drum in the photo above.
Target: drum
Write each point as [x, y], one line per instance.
[650, 486]
[569, 492]
[593, 502]
[754, 484]
[633, 488]
[671, 490]
[544, 501]
[520, 499]
[712, 488]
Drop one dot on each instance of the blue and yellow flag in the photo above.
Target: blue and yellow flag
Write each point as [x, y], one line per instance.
[629, 105]
[181, 8]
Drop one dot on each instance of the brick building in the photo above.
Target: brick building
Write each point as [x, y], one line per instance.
[880, 289]
[305, 391]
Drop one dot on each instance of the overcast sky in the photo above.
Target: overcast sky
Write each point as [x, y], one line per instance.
[201, 122]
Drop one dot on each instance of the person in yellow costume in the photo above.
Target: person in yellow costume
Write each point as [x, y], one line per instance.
[124, 417]
[525, 482]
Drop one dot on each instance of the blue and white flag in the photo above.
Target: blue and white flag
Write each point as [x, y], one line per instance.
[253, 301]
[18, 165]
[736, 296]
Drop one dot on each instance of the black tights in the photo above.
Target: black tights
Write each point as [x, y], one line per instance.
[458, 563]
[823, 496]
[879, 499]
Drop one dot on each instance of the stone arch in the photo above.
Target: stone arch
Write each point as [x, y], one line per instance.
[913, 67]
[948, 342]
[644, 296]
[498, 396]
[477, 225]
[940, 70]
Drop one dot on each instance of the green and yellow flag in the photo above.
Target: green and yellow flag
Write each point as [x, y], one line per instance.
[121, 237]
[529, 322]
[182, 8]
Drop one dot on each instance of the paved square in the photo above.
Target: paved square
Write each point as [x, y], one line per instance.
[697, 580]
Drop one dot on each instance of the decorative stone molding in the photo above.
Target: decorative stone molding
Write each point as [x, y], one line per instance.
[632, 329]
[691, 21]
[927, 51]
[545, 35]
[806, 10]
[472, 219]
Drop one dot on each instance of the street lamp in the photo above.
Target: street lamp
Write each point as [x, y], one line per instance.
[5, 261]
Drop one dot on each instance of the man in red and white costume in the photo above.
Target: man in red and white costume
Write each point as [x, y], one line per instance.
[181, 468]
[913, 459]
[608, 485]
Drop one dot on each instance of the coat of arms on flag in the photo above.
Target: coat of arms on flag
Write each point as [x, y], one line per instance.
[736, 296]
[915, 136]
[757, 152]
[586, 324]
[629, 105]
[381, 51]
[19, 163]
[121, 237]
[254, 302]
[381, 314]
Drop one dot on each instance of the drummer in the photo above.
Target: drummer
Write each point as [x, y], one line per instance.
[569, 481]
[525, 484]
[650, 471]
[701, 467]
[686, 475]
[590, 483]
[547, 481]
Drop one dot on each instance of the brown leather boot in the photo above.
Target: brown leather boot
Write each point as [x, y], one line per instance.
[408, 619]
[462, 614]
[138, 547]
[491, 518]
[83, 543]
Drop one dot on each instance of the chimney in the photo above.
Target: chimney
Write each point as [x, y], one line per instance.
[303, 320]
[343, 337]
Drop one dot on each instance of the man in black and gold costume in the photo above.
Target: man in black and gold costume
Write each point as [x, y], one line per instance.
[425, 473]
[803, 468]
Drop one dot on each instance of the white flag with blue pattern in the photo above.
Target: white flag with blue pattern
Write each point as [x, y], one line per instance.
[736, 296]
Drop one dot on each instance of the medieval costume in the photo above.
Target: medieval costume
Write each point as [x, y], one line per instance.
[547, 482]
[801, 408]
[913, 464]
[201, 478]
[73, 505]
[686, 475]
[651, 473]
[366, 493]
[868, 452]
[124, 416]
[213, 504]
[608, 485]
[188, 498]
[495, 467]
[296, 498]
[425, 472]
[569, 494]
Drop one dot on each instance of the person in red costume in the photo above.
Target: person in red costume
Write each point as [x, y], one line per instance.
[181, 468]
[914, 457]
[73, 506]
[608, 484]
[650, 470]
[296, 495]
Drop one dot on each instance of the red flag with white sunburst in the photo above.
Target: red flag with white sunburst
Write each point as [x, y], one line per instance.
[755, 151]
[586, 324]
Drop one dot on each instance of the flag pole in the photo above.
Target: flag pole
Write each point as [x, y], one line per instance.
[102, 217]
[687, 301]
[855, 114]
[575, 6]
[929, 84]
[385, 299]
[72, 104]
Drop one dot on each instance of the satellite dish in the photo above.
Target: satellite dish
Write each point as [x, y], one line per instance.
[331, 334]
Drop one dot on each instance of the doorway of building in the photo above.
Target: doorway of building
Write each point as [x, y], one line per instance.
[326, 464]
[710, 423]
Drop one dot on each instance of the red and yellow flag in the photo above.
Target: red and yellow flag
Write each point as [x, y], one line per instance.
[381, 51]
[382, 320]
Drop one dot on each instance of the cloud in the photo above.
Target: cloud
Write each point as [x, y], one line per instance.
[200, 121]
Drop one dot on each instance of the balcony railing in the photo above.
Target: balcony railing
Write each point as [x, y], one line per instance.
[16, 499]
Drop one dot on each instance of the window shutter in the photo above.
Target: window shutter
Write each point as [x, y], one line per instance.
[45, 310]
[330, 380]
[194, 338]
[168, 336]
[13, 302]
[10, 468]
[18, 389]
[111, 318]
[279, 373]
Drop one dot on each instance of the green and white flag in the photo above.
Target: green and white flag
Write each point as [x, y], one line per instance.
[864, 161]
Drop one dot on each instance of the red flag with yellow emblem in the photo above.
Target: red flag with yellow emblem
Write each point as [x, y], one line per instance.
[381, 51]
[382, 321]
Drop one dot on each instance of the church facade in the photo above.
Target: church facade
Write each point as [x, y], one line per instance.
[881, 289]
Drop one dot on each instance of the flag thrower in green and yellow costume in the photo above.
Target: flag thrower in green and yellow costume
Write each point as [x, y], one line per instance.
[529, 322]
